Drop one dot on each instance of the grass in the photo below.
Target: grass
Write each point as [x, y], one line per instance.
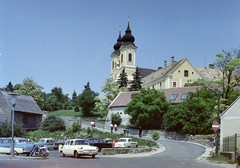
[220, 159]
[71, 113]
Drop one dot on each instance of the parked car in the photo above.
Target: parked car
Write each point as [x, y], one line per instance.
[60, 142]
[21, 146]
[125, 143]
[47, 142]
[77, 148]
[99, 142]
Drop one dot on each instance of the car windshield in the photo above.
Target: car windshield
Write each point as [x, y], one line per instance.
[21, 141]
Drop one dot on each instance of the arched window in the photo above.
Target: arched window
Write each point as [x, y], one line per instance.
[112, 64]
[130, 57]
[121, 58]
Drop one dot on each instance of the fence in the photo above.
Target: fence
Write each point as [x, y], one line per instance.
[232, 144]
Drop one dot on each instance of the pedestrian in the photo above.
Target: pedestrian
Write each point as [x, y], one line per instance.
[111, 126]
[115, 127]
[140, 132]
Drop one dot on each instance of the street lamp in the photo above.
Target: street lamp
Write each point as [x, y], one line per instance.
[14, 99]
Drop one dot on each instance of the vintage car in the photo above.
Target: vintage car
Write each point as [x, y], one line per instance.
[47, 142]
[60, 142]
[21, 146]
[77, 148]
[125, 143]
[99, 142]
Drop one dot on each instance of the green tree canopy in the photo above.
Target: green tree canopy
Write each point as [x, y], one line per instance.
[31, 88]
[87, 100]
[147, 108]
[229, 64]
[136, 83]
[111, 90]
[194, 115]
[122, 79]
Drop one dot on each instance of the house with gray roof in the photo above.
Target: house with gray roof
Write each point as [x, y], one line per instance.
[118, 105]
[27, 112]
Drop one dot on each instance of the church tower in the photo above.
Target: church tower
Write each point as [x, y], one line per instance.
[124, 55]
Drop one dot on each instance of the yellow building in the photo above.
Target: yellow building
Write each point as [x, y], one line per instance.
[177, 74]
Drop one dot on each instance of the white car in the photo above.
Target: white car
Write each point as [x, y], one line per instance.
[77, 148]
[125, 143]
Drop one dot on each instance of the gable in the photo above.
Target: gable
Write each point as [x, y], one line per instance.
[233, 110]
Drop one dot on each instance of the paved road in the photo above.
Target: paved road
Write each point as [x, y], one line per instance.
[177, 155]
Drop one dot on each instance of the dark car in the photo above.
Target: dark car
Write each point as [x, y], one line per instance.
[60, 142]
[99, 142]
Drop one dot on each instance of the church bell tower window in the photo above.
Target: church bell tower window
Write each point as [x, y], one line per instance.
[130, 57]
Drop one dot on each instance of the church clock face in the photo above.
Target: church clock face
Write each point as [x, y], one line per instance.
[129, 49]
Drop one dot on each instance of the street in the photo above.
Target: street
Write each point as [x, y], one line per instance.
[177, 154]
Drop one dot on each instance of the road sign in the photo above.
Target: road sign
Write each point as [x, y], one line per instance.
[215, 126]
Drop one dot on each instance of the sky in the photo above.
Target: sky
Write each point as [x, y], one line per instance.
[67, 43]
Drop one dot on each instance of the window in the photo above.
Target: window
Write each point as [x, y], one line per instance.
[153, 86]
[160, 85]
[173, 97]
[112, 64]
[130, 57]
[174, 84]
[121, 58]
[185, 73]
[184, 96]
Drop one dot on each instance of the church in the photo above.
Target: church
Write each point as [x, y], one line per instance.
[173, 75]
[170, 79]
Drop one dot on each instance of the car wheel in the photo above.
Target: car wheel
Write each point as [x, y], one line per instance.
[62, 154]
[76, 154]
[136, 146]
[93, 156]
[16, 153]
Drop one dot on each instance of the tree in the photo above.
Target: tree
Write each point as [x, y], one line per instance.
[63, 100]
[9, 87]
[136, 82]
[147, 108]
[52, 103]
[31, 88]
[87, 100]
[74, 98]
[194, 115]
[229, 65]
[116, 119]
[111, 90]
[122, 79]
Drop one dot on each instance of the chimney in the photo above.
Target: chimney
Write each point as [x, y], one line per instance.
[172, 59]
[211, 66]
[165, 64]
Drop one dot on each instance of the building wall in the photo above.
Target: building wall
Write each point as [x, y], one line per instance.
[119, 110]
[176, 76]
[230, 122]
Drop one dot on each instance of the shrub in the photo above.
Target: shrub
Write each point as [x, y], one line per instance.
[116, 119]
[76, 109]
[155, 135]
[53, 123]
[6, 130]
